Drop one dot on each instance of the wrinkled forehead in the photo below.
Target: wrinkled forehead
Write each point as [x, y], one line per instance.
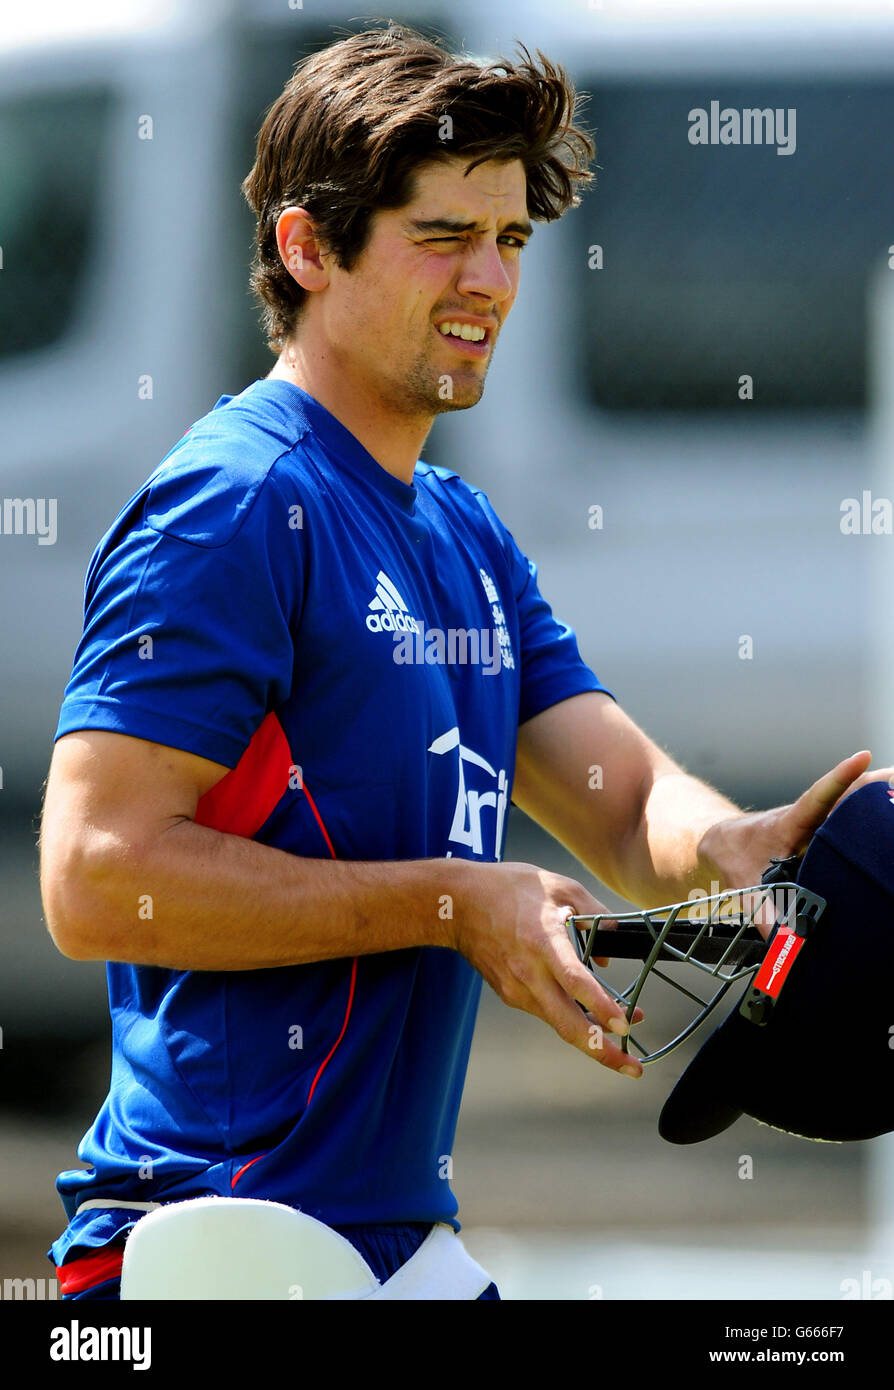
[493, 189]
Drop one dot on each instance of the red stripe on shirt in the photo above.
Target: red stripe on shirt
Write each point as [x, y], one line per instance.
[324, 1064]
[328, 1058]
[90, 1270]
[236, 1176]
[250, 792]
[319, 820]
[242, 801]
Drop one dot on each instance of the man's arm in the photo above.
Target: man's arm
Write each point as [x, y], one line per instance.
[127, 874]
[642, 825]
[118, 834]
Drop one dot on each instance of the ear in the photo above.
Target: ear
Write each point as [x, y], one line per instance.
[301, 251]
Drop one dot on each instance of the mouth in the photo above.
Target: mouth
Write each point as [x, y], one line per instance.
[470, 339]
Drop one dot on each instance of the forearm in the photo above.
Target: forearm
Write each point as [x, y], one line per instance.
[200, 899]
[668, 853]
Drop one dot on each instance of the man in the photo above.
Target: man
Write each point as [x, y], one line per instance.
[313, 672]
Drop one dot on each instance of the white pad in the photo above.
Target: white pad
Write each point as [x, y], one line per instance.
[239, 1248]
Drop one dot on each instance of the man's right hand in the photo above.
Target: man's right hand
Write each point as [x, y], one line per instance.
[513, 932]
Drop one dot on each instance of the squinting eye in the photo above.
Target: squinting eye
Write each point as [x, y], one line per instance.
[516, 242]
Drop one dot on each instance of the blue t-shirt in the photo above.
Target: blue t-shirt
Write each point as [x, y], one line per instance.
[360, 652]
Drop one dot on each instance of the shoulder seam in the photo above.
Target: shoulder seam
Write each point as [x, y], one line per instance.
[218, 545]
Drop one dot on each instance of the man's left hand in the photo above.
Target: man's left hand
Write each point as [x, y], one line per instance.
[739, 849]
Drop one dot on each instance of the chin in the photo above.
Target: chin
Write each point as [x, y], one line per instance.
[463, 401]
[465, 394]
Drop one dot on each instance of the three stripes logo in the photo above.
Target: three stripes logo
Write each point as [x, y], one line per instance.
[388, 612]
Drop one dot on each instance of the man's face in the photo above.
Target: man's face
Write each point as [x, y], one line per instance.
[449, 256]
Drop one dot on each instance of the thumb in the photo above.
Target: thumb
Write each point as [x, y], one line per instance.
[810, 810]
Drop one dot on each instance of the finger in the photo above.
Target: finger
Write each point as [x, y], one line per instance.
[580, 1030]
[812, 807]
[607, 924]
[610, 924]
[638, 1015]
[559, 961]
[606, 1052]
[878, 774]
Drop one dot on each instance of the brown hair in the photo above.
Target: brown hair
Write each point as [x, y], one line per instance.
[356, 119]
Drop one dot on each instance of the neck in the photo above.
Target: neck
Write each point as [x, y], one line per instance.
[393, 439]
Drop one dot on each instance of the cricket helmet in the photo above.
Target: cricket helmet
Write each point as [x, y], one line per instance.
[784, 1054]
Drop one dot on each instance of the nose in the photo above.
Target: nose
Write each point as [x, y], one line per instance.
[485, 273]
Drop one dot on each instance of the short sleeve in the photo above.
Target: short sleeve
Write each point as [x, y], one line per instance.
[552, 668]
[191, 603]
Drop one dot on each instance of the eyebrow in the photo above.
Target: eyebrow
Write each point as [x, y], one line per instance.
[449, 224]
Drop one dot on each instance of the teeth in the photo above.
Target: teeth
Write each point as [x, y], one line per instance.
[466, 331]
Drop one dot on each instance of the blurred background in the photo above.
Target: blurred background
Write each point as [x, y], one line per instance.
[688, 525]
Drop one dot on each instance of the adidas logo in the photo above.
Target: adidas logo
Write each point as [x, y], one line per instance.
[388, 612]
